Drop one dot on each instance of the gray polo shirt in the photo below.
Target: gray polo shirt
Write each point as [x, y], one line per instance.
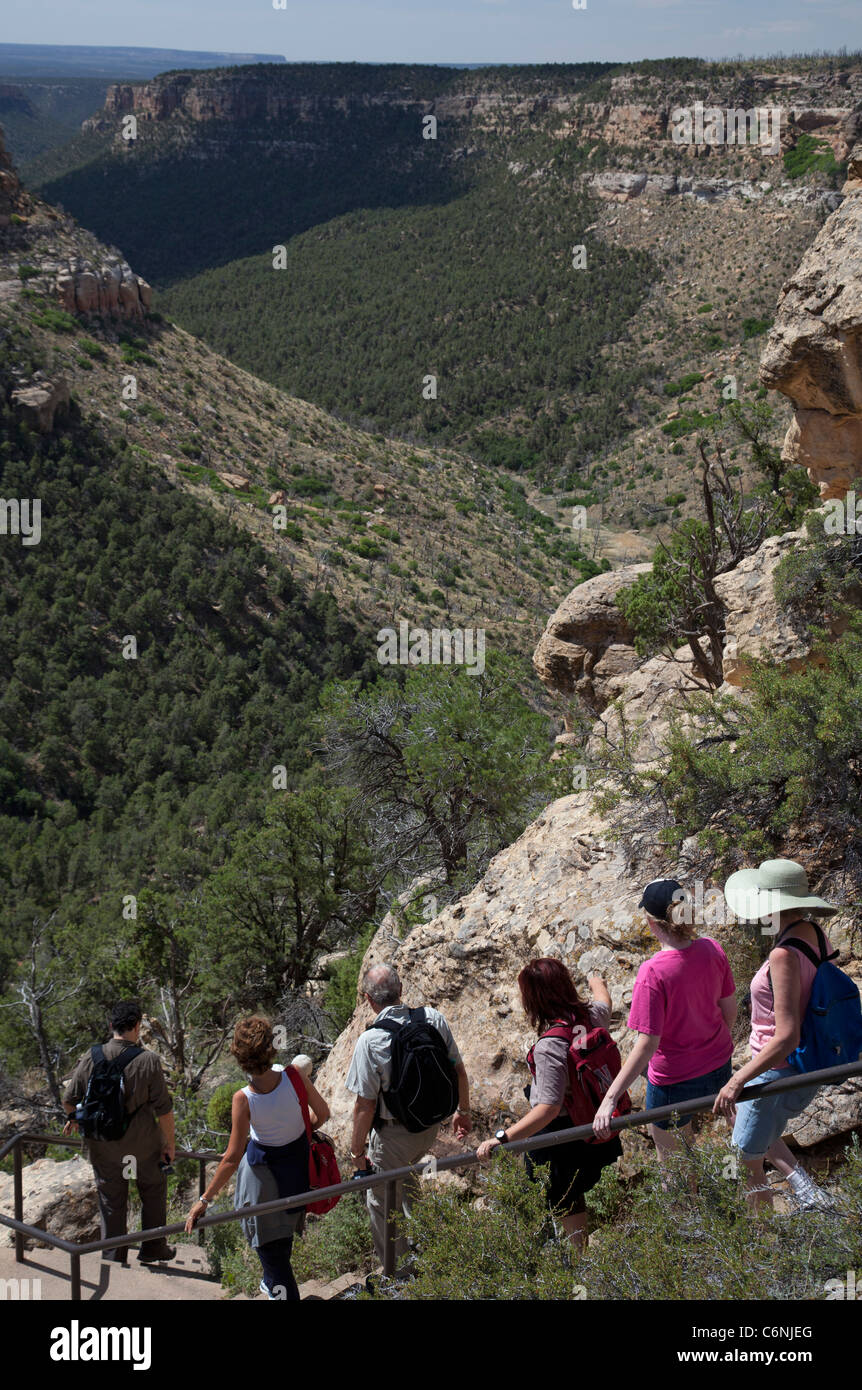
[370, 1068]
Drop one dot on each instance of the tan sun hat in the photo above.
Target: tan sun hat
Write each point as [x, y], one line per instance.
[774, 886]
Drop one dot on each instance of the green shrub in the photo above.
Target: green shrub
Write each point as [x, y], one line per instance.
[337, 1243]
[343, 979]
[648, 1242]
[505, 1252]
[367, 548]
[231, 1259]
[27, 272]
[218, 1108]
[809, 155]
[92, 349]
[752, 328]
[56, 320]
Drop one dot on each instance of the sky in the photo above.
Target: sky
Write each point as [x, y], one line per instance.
[429, 31]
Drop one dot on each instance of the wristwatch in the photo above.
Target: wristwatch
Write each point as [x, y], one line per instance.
[500, 1136]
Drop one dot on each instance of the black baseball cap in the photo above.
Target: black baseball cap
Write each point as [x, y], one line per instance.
[658, 896]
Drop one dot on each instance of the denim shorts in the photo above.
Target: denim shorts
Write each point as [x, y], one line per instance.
[678, 1091]
[760, 1122]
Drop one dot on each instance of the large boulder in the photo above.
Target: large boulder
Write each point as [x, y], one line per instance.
[587, 647]
[653, 694]
[814, 351]
[58, 1197]
[562, 889]
[43, 404]
[754, 624]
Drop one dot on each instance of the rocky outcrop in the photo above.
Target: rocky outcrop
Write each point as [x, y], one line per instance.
[620, 186]
[43, 404]
[559, 890]
[587, 647]
[814, 351]
[650, 696]
[111, 289]
[754, 624]
[58, 1197]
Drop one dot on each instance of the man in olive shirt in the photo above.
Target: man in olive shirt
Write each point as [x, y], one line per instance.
[148, 1141]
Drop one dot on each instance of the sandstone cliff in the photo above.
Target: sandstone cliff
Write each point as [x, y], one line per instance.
[814, 352]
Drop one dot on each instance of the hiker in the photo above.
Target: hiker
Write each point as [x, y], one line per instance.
[118, 1100]
[269, 1145]
[683, 1009]
[550, 998]
[780, 993]
[408, 1077]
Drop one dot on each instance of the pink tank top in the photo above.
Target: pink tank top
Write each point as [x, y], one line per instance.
[762, 1002]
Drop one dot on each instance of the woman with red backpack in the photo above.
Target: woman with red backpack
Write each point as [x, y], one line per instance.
[562, 1019]
[683, 1009]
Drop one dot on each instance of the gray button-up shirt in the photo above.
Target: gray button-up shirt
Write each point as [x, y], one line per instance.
[370, 1068]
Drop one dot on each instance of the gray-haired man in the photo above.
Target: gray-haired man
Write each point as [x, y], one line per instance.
[392, 1144]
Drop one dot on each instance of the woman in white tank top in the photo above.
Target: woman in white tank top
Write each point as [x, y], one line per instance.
[269, 1147]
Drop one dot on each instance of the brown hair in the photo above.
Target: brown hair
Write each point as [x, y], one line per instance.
[675, 925]
[252, 1044]
[548, 992]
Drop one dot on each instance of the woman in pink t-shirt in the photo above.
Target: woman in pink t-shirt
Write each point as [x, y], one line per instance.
[683, 1007]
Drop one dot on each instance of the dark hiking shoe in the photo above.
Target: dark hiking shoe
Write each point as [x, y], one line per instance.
[158, 1257]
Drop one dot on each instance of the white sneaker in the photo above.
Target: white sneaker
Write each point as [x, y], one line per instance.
[809, 1197]
[271, 1296]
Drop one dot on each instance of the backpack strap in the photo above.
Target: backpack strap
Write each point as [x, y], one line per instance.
[98, 1055]
[389, 1025]
[806, 950]
[559, 1029]
[296, 1081]
[125, 1057]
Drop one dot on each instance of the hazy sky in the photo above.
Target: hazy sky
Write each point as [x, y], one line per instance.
[427, 31]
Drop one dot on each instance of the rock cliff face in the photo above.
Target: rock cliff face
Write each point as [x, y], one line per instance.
[110, 289]
[635, 114]
[814, 352]
[10, 189]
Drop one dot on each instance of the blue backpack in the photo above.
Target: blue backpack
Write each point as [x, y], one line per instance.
[831, 1033]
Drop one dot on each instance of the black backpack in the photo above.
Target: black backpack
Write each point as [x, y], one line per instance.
[424, 1087]
[102, 1113]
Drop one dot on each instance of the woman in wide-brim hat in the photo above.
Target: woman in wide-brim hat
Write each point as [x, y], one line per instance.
[777, 894]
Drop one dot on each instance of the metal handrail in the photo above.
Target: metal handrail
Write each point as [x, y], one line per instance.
[830, 1076]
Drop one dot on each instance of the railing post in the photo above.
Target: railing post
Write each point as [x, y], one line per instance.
[18, 1189]
[75, 1263]
[388, 1231]
[202, 1187]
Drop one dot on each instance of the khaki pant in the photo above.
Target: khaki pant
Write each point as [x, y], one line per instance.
[395, 1147]
[137, 1154]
